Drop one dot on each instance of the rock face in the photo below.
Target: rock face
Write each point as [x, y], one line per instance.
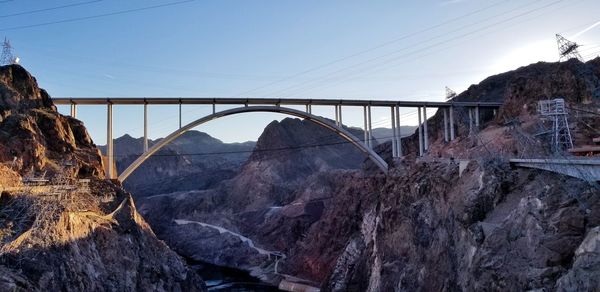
[66, 236]
[35, 137]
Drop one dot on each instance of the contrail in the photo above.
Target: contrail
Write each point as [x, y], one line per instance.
[586, 30]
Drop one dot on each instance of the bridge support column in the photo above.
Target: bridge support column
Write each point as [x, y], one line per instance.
[340, 115]
[451, 112]
[214, 106]
[370, 127]
[445, 124]
[393, 116]
[109, 142]
[425, 132]
[366, 127]
[145, 127]
[337, 115]
[399, 133]
[180, 114]
[477, 118]
[470, 121]
[420, 125]
[73, 110]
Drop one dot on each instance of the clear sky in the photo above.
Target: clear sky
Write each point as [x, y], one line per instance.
[401, 50]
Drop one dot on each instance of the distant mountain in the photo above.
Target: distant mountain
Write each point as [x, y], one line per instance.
[385, 134]
[193, 161]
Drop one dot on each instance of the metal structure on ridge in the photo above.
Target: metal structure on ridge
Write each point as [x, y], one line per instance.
[555, 112]
[567, 49]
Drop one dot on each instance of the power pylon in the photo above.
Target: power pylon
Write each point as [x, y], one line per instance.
[7, 57]
[567, 49]
[450, 93]
[555, 112]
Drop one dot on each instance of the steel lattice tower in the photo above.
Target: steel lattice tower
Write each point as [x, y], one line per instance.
[556, 112]
[450, 93]
[7, 57]
[567, 49]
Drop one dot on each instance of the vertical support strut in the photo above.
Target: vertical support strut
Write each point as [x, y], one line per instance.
[393, 115]
[366, 127]
[307, 108]
[420, 125]
[340, 115]
[337, 116]
[425, 133]
[399, 133]
[470, 121]
[179, 114]
[214, 107]
[370, 129]
[73, 110]
[145, 127]
[452, 136]
[445, 124]
[109, 141]
[477, 118]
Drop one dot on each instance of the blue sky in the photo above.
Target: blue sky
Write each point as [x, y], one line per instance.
[344, 49]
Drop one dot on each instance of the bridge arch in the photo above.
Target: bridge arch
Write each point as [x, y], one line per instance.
[246, 109]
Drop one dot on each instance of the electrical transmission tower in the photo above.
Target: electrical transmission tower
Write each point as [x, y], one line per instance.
[567, 49]
[450, 93]
[555, 112]
[7, 57]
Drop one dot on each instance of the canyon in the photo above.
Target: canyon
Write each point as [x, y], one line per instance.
[461, 218]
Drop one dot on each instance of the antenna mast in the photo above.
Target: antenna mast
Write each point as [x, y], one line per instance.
[567, 49]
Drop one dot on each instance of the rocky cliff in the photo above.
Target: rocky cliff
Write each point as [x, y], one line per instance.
[59, 232]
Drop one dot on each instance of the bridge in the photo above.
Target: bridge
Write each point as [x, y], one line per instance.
[582, 168]
[276, 105]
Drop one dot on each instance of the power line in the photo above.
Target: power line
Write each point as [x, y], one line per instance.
[96, 16]
[48, 9]
[386, 62]
[302, 84]
[372, 48]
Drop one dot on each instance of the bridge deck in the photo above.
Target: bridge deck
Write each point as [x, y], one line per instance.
[261, 101]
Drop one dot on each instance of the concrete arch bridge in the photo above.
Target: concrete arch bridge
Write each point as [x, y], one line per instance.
[275, 106]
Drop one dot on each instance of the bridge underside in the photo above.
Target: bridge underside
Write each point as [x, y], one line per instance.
[585, 169]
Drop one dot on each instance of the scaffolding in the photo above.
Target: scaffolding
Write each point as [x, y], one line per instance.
[555, 111]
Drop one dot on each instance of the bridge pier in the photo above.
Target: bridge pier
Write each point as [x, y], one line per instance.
[179, 114]
[420, 125]
[451, 112]
[477, 118]
[109, 142]
[393, 116]
[145, 127]
[74, 110]
[445, 124]
[398, 134]
[366, 127]
[425, 133]
[370, 129]
[470, 121]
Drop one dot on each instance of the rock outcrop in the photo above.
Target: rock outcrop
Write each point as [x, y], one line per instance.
[64, 234]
